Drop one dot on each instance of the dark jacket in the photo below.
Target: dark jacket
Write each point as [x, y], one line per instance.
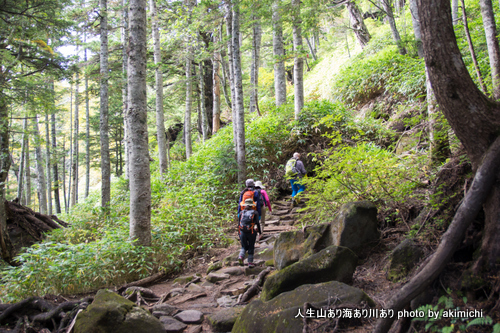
[257, 198]
[255, 221]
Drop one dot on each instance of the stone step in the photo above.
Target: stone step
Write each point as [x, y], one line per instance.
[280, 212]
[287, 222]
[273, 222]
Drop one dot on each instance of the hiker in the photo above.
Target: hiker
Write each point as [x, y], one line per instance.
[248, 227]
[250, 192]
[265, 203]
[295, 171]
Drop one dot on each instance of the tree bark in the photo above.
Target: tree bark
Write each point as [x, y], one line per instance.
[203, 109]
[416, 27]
[124, 38]
[48, 163]
[103, 119]
[238, 83]
[55, 170]
[160, 120]
[454, 11]
[392, 23]
[87, 129]
[298, 63]
[358, 24]
[22, 162]
[254, 69]
[140, 177]
[229, 32]
[28, 171]
[216, 91]
[74, 162]
[41, 183]
[492, 42]
[471, 49]
[68, 199]
[279, 54]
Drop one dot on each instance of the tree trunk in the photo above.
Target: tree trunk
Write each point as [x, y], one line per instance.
[5, 243]
[48, 163]
[392, 23]
[68, 200]
[358, 24]
[230, 56]
[103, 121]
[57, 200]
[238, 100]
[216, 91]
[66, 208]
[124, 38]
[41, 183]
[492, 42]
[279, 54]
[74, 162]
[298, 63]
[140, 177]
[454, 11]
[471, 49]
[416, 27]
[28, 171]
[160, 120]
[22, 162]
[203, 109]
[189, 105]
[311, 48]
[87, 130]
[254, 69]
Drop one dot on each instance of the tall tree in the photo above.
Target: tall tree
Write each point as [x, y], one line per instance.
[5, 243]
[160, 120]
[203, 109]
[87, 125]
[216, 59]
[41, 183]
[230, 56]
[74, 162]
[189, 86]
[124, 38]
[55, 169]
[492, 42]
[48, 163]
[140, 176]
[254, 68]
[454, 11]
[238, 88]
[298, 62]
[278, 54]
[22, 162]
[103, 121]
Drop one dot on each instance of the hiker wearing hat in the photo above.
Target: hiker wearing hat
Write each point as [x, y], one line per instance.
[294, 171]
[250, 192]
[265, 203]
[248, 227]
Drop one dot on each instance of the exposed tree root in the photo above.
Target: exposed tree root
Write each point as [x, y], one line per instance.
[255, 288]
[483, 181]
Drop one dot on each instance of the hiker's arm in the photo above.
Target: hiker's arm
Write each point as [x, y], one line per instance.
[257, 223]
[300, 168]
[268, 203]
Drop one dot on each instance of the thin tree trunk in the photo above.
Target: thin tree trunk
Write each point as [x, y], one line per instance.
[137, 133]
[358, 24]
[225, 70]
[392, 23]
[298, 63]
[471, 49]
[454, 11]
[5, 243]
[492, 42]
[203, 109]
[48, 163]
[311, 49]
[416, 27]
[279, 54]
[28, 171]
[87, 129]
[160, 120]
[41, 183]
[74, 162]
[66, 208]
[216, 91]
[238, 83]
[70, 147]
[103, 124]
[254, 69]
[22, 162]
[189, 106]
[230, 56]
[57, 200]
[124, 38]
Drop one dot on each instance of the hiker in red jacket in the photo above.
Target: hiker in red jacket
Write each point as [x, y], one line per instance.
[265, 203]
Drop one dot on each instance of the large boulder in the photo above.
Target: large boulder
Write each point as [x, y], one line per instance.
[404, 257]
[281, 313]
[293, 246]
[223, 320]
[355, 226]
[110, 313]
[335, 263]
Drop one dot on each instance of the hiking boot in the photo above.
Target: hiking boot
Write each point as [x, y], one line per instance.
[251, 265]
[240, 261]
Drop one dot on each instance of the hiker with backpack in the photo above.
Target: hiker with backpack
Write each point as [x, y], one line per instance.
[265, 203]
[248, 227]
[250, 192]
[294, 171]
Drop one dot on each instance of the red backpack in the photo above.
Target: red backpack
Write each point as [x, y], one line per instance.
[249, 194]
